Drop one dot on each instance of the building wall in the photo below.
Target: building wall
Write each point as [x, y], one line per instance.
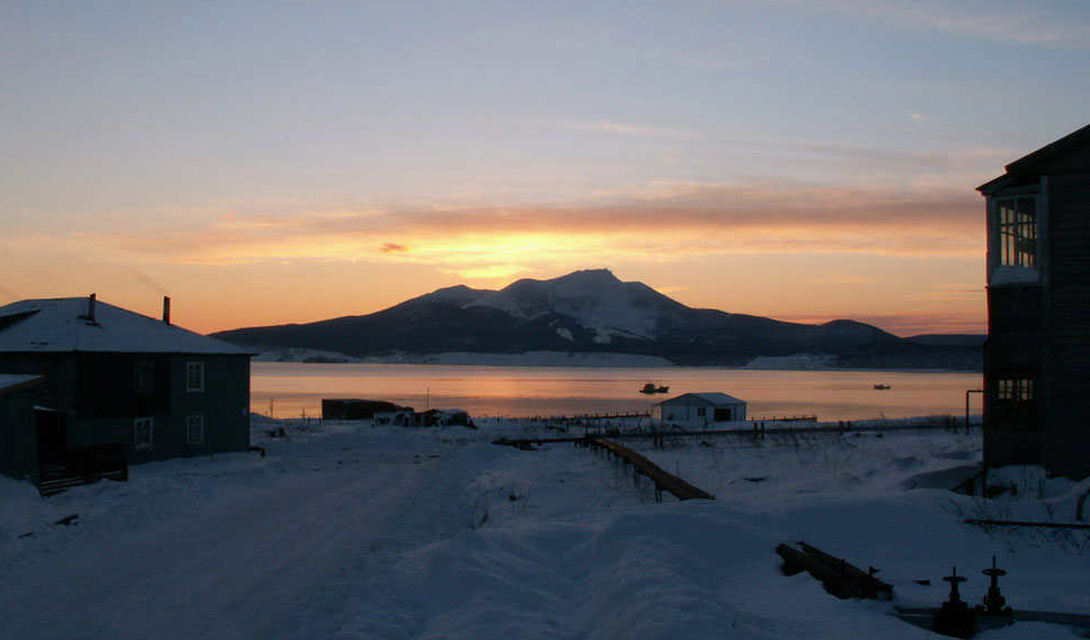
[99, 393]
[1041, 331]
[18, 441]
[1066, 448]
[59, 388]
[687, 412]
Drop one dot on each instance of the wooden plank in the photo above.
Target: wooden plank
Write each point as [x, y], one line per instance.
[681, 489]
[839, 577]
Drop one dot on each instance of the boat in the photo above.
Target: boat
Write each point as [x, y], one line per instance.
[881, 387]
[650, 388]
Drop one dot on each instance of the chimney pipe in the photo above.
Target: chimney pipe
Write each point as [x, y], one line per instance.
[90, 308]
[166, 309]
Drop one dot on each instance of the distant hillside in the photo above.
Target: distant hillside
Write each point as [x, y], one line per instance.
[951, 339]
[594, 312]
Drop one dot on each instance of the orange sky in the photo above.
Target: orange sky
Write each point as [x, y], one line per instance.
[906, 262]
[267, 163]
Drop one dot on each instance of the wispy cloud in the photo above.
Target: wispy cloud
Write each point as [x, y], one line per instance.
[660, 221]
[605, 126]
[1018, 21]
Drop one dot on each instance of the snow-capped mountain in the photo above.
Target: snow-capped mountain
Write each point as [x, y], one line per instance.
[592, 311]
[595, 299]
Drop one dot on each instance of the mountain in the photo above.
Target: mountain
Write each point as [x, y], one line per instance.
[592, 311]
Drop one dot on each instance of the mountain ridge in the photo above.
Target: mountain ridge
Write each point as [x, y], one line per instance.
[592, 311]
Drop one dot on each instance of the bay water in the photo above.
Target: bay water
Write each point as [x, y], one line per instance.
[291, 390]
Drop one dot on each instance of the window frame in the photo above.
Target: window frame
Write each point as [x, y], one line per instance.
[198, 367]
[137, 443]
[194, 420]
[1018, 228]
[144, 376]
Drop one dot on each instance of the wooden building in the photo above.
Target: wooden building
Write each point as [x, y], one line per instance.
[699, 410]
[112, 377]
[1037, 356]
[18, 440]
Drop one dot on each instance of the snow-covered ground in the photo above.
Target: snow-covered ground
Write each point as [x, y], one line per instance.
[348, 531]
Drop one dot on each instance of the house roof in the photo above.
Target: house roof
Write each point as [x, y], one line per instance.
[1031, 161]
[61, 325]
[717, 399]
[13, 382]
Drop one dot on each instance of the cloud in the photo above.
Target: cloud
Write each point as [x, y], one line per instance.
[843, 279]
[659, 221]
[918, 117]
[605, 126]
[1018, 21]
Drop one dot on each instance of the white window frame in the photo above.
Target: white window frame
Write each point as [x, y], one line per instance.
[1009, 242]
[1019, 231]
[144, 376]
[198, 367]
[194, 424]
[137, 423]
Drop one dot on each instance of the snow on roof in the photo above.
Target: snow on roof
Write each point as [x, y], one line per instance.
[12, 382]
[60, 325]
[714, 398]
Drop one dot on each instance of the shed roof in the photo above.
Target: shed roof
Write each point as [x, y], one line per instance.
[714, 398]
[13, 382]
[61, 325]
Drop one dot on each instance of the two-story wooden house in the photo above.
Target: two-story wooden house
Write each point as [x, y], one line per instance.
[112, 376]
[1037, 357]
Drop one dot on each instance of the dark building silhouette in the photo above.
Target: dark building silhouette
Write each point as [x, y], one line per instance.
[109, 376]
[1037, 356]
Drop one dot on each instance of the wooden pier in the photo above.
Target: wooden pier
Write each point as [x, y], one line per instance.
[664, 481]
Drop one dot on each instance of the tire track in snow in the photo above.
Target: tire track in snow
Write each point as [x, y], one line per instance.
[251, 566]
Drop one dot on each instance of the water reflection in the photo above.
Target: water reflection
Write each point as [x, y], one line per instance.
[535, 391]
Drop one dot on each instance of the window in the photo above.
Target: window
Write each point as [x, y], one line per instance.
[142, 429]
[194, 429]
[194, 376]
[1018, 232]
[1016, 390]
[1016, 398]
[701, 411]
[144, 376]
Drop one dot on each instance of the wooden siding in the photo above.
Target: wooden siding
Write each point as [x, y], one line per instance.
[98, 392]
[1066, 443]
[18, 442]
[1043, 331]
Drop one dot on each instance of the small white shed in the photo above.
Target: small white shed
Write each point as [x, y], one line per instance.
[699, 409]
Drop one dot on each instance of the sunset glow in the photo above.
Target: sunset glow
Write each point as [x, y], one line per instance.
[268, 164]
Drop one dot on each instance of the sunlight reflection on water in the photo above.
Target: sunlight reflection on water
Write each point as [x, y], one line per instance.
[550, 391]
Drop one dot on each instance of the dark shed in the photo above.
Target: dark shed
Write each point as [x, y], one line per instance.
[356, 409]
[1037, 357]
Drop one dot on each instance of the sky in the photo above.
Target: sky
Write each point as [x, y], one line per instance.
[265, 162]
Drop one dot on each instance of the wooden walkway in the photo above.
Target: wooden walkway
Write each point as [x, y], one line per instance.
[664, 481]
[756, 430]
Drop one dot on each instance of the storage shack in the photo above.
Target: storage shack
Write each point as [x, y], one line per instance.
[699, 410]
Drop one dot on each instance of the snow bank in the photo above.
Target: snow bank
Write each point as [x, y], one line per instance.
[348, 530]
